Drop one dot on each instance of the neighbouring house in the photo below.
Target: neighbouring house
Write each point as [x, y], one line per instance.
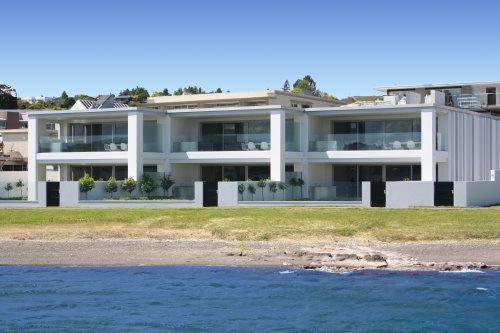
[102, 102]
[14, 149]
[410, 135]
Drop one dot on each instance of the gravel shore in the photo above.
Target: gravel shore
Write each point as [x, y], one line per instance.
[345, 255]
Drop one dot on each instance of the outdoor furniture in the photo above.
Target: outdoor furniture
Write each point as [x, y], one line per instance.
[244, 146]
[251, 146]
[410, 144]
[113, 146]
[123, 146]
[396, 145]
[264, 146]
[107, 147]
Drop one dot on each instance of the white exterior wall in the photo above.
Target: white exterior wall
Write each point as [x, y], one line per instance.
[12, 177]
[278, 145]
[135, 145]
[405, 194]
[428, 156]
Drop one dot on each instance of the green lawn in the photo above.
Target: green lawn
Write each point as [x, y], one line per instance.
[266, 223]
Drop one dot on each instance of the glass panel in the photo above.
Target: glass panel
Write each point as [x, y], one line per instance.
[234, 173]
[398, 172]
[415, 172]
[258, 172]
[121, 172]
[211, 173]
[152, 135]
[102, 172]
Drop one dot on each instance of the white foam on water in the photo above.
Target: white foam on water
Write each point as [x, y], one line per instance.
[329, 270]
[286, 272]
[482, 289]
[464, 270]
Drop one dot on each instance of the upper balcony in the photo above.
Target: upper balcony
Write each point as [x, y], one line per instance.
[224, 142]
[95, 143]
[367, 141]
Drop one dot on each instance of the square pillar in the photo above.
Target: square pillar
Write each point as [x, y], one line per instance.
[278, 145]
[33, 168]
[428, 156]
[166, 125]
[304, 147]
[135, 144]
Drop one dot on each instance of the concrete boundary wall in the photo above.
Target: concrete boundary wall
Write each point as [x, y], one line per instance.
[41, 202]
[227, 194]
[70, 193]
[404, 194]
[478, 193]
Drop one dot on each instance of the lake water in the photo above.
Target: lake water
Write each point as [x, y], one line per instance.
[230, 299]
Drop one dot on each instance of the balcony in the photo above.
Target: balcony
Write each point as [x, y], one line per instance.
[96, 143]
[478, 101]
[224, 142]
[367, 141]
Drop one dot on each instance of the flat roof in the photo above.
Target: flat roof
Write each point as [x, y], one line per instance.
[438, 85]
[14, 130]
[215, 97]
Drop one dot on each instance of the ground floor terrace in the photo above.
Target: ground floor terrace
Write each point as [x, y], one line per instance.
[310, 181]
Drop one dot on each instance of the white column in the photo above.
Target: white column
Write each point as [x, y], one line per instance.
[165, 121]
[135, 139]
[304, 148]
[428, 156]
[33, 168]
[278, 145]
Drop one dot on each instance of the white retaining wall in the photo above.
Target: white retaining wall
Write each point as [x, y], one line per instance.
[227, 194]
[12, 177]
[41, 202]
[70, 197]
[478, 193]
[409, 193]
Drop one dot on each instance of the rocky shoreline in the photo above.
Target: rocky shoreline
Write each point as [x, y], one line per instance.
[347, 255]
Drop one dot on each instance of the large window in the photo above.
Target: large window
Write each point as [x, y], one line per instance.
[98, 172]
[215, 173]
[96, 137]
[227, 136]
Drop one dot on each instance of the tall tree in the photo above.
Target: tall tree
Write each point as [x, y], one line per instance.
[8, 98]
[286, 86]
[307, 85]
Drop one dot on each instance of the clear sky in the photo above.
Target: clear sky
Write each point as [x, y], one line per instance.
[348, 47]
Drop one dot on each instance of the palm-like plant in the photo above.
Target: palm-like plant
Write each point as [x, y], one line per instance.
[8, 187]
[293, 182]
[283, 186]
[251, 189]
[20, 185]
[262, 184]
[300, 183]
[273, 187]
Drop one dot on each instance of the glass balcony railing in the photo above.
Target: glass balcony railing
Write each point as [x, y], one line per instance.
[152, 137]
[225, 142]
[83, 143]
[367, 141]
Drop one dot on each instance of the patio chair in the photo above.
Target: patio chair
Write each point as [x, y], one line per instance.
[264, 145]
[251, 146]
[107, 147]
[113, 146]
[410, 144]
[123, 146]
[244, 146]
[396, 145]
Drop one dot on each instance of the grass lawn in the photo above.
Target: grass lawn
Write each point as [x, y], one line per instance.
[254, 223]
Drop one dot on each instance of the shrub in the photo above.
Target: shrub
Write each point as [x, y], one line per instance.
[86, 184]
[166, 182]
[111, 186]
[251, 189]
[300, 183]
[241, 190]
[147, 184]
[8, 187]
[128, 185]
[20, 185]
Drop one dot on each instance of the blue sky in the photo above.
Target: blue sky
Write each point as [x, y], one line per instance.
[348, 47]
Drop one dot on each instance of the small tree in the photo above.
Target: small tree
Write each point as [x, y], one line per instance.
[8, 187]
[241, 190]
[251, 189]
[273, 187]
[262, 184]
[111, 186]
[300, 183]
[147, 184]
[86, 184]
[128, 185]
[20, 185]
[293, 182]
[283, 186]
[166, 182]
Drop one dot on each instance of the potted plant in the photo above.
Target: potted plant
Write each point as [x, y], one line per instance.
[262, 184]
[8, 187]
[241, 190]
[166, 182]
[111, 186]
[251, 189]
[147, 184]
[283, 186]
[273, 187]
[128, 185]
[20, 185]
[86, 184]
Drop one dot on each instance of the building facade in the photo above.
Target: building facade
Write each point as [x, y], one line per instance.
[404, 137]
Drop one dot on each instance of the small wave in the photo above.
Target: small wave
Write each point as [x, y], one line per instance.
[465, 270]
[482, 289]
[286, 272]
[329, 270]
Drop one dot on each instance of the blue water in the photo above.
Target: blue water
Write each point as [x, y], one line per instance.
[217, 299]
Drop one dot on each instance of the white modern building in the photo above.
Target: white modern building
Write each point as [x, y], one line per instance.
[411, 135]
